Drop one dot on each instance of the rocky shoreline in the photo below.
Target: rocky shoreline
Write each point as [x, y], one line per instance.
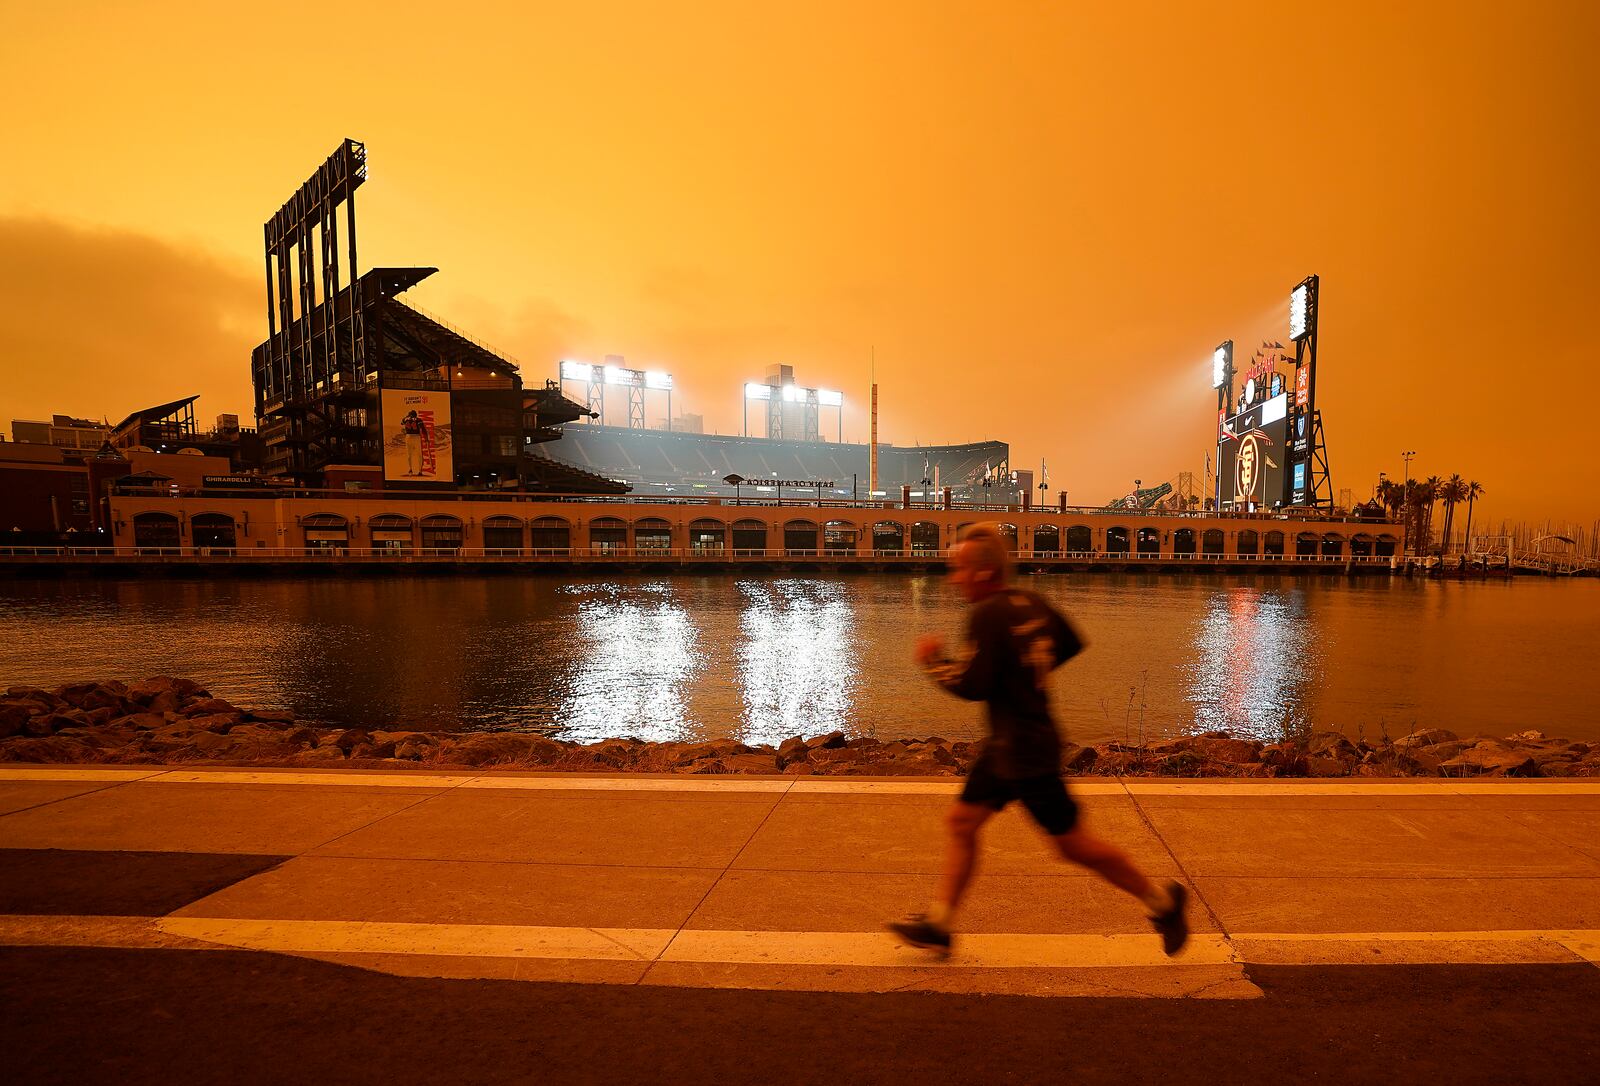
[175, 721]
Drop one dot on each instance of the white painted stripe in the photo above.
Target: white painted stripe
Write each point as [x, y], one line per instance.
[74, 773]
[442, 940]
[578, 782]
[1211, 787]
[1414, 786]
[852, 949]
[976, 951]
[327, 780]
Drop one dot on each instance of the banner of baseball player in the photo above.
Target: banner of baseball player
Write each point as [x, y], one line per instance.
[416, 437]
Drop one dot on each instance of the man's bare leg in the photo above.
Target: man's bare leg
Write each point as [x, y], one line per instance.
[1112, 864]
[962, 823]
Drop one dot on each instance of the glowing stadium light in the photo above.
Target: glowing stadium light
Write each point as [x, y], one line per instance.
[657, 380]
[1300, 311]
[754, 391]
[793, 393]
[828, 398]
[1219, 367]
[616, 375]
[576, 371]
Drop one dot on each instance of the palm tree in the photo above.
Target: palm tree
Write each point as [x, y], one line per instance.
[1451, 491]
[1429, 494]
[1474, 491]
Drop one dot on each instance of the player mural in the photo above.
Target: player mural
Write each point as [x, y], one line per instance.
[416, 436]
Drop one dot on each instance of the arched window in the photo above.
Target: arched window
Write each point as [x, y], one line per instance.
[749, 537]
[800, 537]
[1080, 539]
[155, 532]
[652, 534]
[1387, 545]
[441, 532]
[1305, 545]
[213, 531]
[550, 535]
[1046, 539]
[390, 532]
[1008, 533]
[326, 532]
[1332, 545]
[1183, 542]
[839, 537]
[1211, 541]
[1361, 545]
[1149, 541]
[925, 538]
[707, 537]
[1272, 544]
[1249, 542]
[888, 537]
[502, 535]
[1117, 540]
[608, 535]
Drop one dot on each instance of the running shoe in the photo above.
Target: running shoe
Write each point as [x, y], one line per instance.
[918, 930]
[1172, 924]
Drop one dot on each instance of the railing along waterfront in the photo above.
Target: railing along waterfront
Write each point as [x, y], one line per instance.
[399, 555]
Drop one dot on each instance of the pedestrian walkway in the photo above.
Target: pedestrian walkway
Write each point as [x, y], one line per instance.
[768, 882]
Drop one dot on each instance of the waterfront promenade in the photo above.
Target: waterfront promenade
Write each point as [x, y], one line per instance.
[1400, 905]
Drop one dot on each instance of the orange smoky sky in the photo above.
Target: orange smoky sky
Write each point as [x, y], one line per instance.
[1042, 217]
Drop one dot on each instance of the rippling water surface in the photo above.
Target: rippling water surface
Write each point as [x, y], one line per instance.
[766, 657]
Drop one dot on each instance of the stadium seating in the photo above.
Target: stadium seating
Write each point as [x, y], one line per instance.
[656, 458]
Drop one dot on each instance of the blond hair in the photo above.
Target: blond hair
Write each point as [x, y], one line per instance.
[988, 549]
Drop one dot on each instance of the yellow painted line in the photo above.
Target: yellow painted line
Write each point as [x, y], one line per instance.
[12, 773]
[434, 940]
[693, 783]
[977, 951]
[327, 780]
[834, 949]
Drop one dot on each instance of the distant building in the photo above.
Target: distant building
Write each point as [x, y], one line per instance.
[62, 431]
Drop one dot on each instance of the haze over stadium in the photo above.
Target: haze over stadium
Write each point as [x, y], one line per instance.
[1032, 258]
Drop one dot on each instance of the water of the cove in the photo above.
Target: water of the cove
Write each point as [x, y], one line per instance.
[763, 657]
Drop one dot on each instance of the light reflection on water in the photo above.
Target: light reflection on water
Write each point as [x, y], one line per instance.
[1249, 671]
[798, 660]
[639, 659]
[765, 657]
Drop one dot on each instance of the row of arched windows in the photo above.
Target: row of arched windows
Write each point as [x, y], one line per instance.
[443, 532]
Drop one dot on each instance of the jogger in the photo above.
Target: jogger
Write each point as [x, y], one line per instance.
[1015, 639]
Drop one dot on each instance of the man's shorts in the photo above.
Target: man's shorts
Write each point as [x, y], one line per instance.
[1045, 798]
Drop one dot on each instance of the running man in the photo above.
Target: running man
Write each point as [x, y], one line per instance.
[1015, 641]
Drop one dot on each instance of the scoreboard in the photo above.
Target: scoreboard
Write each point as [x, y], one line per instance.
[1254, 455]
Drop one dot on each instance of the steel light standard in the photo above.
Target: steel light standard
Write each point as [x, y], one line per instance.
[1405, 505]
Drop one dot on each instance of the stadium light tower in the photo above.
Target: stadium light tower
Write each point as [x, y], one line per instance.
[1222, 381]
[811, 400]
[612, 372]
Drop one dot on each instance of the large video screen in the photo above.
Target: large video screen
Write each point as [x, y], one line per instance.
[1254, 455]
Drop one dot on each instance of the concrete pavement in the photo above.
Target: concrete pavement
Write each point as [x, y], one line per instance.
[779, 883]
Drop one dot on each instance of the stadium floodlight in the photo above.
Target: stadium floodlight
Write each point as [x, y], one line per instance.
[793, 393]
[657, 380]
[616, 375]
[1300, 311]
[576, 371]
[1219, 364]
[828, 398]
[754, 391]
